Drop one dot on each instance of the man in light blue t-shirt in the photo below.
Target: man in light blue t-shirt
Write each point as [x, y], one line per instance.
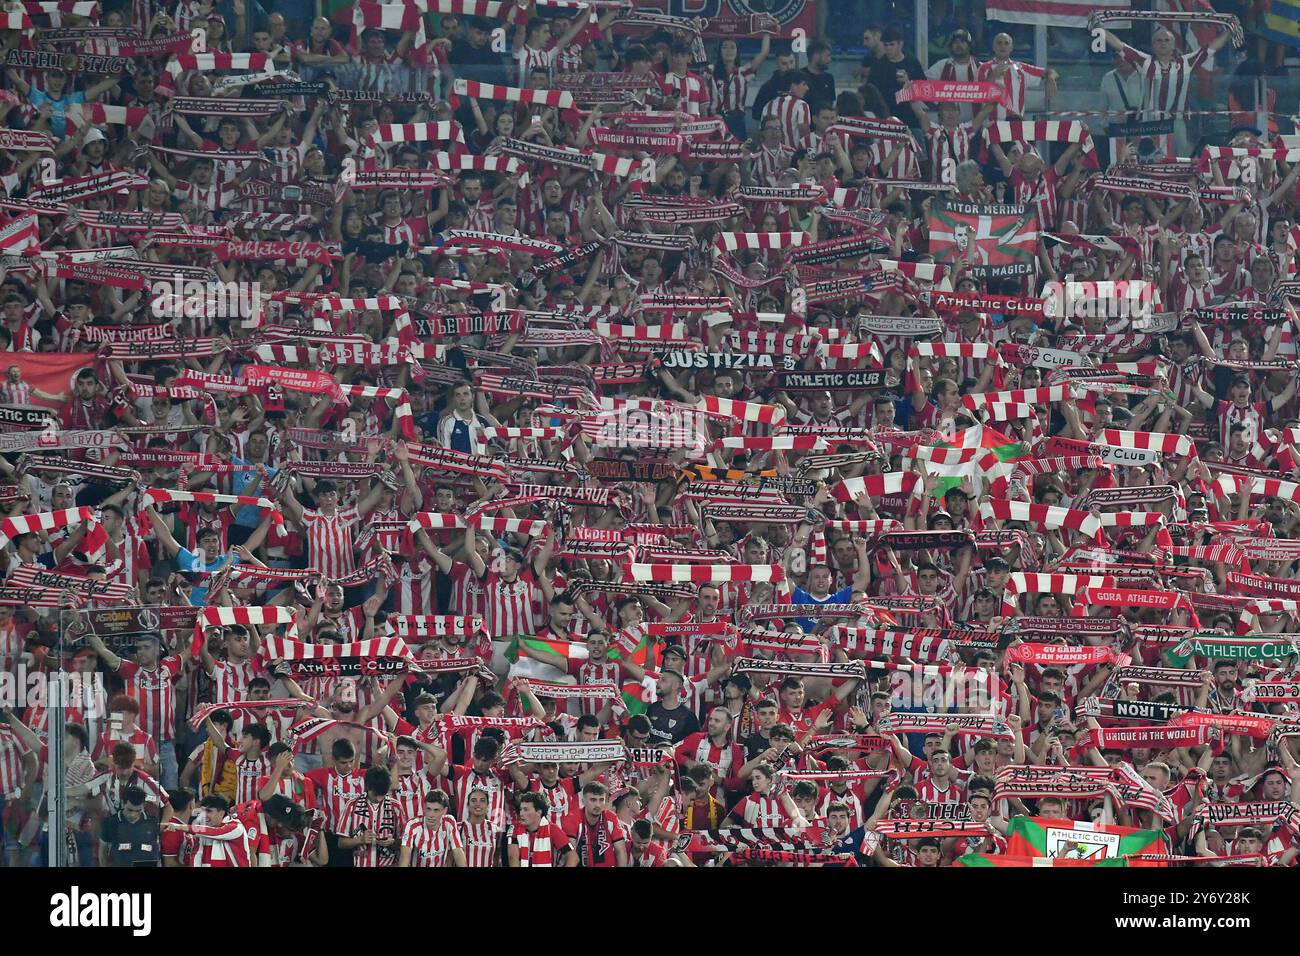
[58, 97]
[209, 556]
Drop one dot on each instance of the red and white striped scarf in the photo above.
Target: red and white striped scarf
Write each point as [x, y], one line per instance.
[448, 131]
[1045, 517]
[876, 486]
[153, 496]
[704, 573]
[247, 616]
[534, 848]
[1056, 131]
[734, 241]
[560, 99]
[214, 62]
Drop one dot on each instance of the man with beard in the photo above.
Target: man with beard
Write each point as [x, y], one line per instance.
[348, 723]
[1223, 698]
[714, 746]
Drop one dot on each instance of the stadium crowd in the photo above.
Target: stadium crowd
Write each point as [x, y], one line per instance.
[476, 433]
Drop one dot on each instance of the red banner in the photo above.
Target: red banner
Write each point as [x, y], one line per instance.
[50, 372]
[953, 91]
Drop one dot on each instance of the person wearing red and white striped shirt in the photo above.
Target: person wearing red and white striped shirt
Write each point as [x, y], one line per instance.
[1013, 76]
[223, 839]
[151, 683]
[480, 837]
[936, 780]
[122, 726]
[1191, 288]
[714, 746]
[411, 784]
[468, 595]
[731, 82]
[112, 784]
[791, 112]
[250, 758]
[1034, 182]
[513, 594]
[771, 158]
[596, 668]
[336, 787]
[951, 142]
[284, 780]
[528, 59]
[17, 762]
[433, 840]
[536, 48]
[203, 189]
[329, 527]
[392, 227]
[763, 808]
[413, 592]
[231, 677]
[287, 156]
[1167, 79]
[481, 773]
[681, 85]
[371, 825]
[531, 50]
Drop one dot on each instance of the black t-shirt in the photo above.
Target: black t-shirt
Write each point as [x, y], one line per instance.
[678, 723]
[884, 78]
[821, 92]
[479, 64]
[131, 844]
[755, 744]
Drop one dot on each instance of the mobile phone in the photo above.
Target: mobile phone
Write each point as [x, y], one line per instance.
[291, 193]
[1058, 714]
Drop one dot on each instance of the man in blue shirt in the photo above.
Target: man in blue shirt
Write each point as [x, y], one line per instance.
[58, 97]
[461, 425]
[207, 559]
[250, 482]
[819, 585]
